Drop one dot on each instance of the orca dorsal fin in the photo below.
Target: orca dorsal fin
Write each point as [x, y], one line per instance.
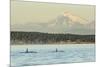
[27, 50]
[56, 50]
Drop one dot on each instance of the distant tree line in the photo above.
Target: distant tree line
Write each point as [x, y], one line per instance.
[45, 38]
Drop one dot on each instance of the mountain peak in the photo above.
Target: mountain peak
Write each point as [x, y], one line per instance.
[74, 18]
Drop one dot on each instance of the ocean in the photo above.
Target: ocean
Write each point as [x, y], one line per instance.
[51, 54]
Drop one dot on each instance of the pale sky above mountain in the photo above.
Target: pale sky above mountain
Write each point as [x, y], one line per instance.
[52, 17]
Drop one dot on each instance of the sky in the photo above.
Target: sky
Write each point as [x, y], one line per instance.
[52, 17]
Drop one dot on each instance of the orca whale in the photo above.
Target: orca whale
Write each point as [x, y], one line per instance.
[27, 51]
[58, 50]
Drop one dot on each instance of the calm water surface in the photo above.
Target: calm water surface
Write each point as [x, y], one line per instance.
[46, 54]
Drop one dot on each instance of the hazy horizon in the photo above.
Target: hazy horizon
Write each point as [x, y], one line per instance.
[52, 17]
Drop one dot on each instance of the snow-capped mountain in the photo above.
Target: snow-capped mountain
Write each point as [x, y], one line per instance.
[65, 23]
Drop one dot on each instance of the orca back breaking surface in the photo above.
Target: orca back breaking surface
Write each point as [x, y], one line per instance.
[27, 51]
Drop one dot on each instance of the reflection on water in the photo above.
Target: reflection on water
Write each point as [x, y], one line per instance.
[51, 54]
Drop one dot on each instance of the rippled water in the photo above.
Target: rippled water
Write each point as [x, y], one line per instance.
[46, 54]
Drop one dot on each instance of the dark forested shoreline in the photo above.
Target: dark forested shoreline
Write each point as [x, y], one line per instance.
[49, 38]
